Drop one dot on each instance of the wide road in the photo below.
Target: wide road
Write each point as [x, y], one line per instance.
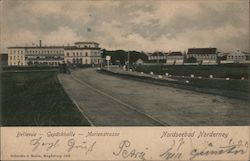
[107, 100]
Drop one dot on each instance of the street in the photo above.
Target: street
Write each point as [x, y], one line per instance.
[107, 100]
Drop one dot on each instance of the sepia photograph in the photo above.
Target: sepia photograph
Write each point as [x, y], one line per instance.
[114, 64]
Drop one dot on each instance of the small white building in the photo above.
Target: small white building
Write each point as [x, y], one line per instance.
[236, 57]
[139, 62]
[175, 58]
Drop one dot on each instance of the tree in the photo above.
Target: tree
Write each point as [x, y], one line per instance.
[192, 60]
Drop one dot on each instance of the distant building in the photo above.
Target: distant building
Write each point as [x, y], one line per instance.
[139, 62]
[175, 58]
[247, 54]
[3, 59]
[157, 57]
[81, 53]
[203, 55]
[235, 57]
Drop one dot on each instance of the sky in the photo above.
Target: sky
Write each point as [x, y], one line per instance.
[152, 25]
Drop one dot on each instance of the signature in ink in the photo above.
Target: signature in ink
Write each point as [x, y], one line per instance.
[72, 144]
[173, 152]
[38, 142]
[126, 151]
[211, 150]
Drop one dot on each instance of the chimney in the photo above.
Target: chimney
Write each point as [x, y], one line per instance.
[40, 43]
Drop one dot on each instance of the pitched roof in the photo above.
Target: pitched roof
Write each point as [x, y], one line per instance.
[202, 51]
[177, 53]
[34, 47]
[76, 48]
[51, 47]
[246, 53]
[86, 42]
[158, 54]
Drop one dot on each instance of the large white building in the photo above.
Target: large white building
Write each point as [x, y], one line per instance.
[203, 55]
[80, 53]
[83, 53]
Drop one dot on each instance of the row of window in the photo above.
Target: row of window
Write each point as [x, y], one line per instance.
[16, 63]
[16, 51]
[37, 52]
[203, 56]
[44, 57]
[45, 52]
[16, 57]
[236, 57]
[81, 54]
[87, 61]
[43, 63]
[156, 57]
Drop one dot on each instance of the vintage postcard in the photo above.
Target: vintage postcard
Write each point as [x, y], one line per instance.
[133, 80]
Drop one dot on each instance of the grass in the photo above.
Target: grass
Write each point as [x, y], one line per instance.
[235, 85]
[230, 85]
[28, 68]
[218, 71]
[36, 98]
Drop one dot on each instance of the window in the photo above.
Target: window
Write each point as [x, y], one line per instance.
[67, 53]
[73, 53]
[86, 53]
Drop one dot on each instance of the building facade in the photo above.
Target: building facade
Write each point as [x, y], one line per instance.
[203, 55]
[80, 53]
[236, 57]
[157, 57]
[175, 58]
[83, 53]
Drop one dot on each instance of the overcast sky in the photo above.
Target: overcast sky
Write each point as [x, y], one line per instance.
[130, 25]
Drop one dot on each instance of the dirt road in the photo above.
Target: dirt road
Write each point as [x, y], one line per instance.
[109, 100]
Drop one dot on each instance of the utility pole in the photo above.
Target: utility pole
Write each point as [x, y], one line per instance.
[158, 58]
[128, 60]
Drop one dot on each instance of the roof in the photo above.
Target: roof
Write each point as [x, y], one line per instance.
[246, 53]
[158, 54]
[51, 47]
[76, 48]
[202, 51]
[237, 53]
[86, 42]
[177, 53]
[35, 47]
